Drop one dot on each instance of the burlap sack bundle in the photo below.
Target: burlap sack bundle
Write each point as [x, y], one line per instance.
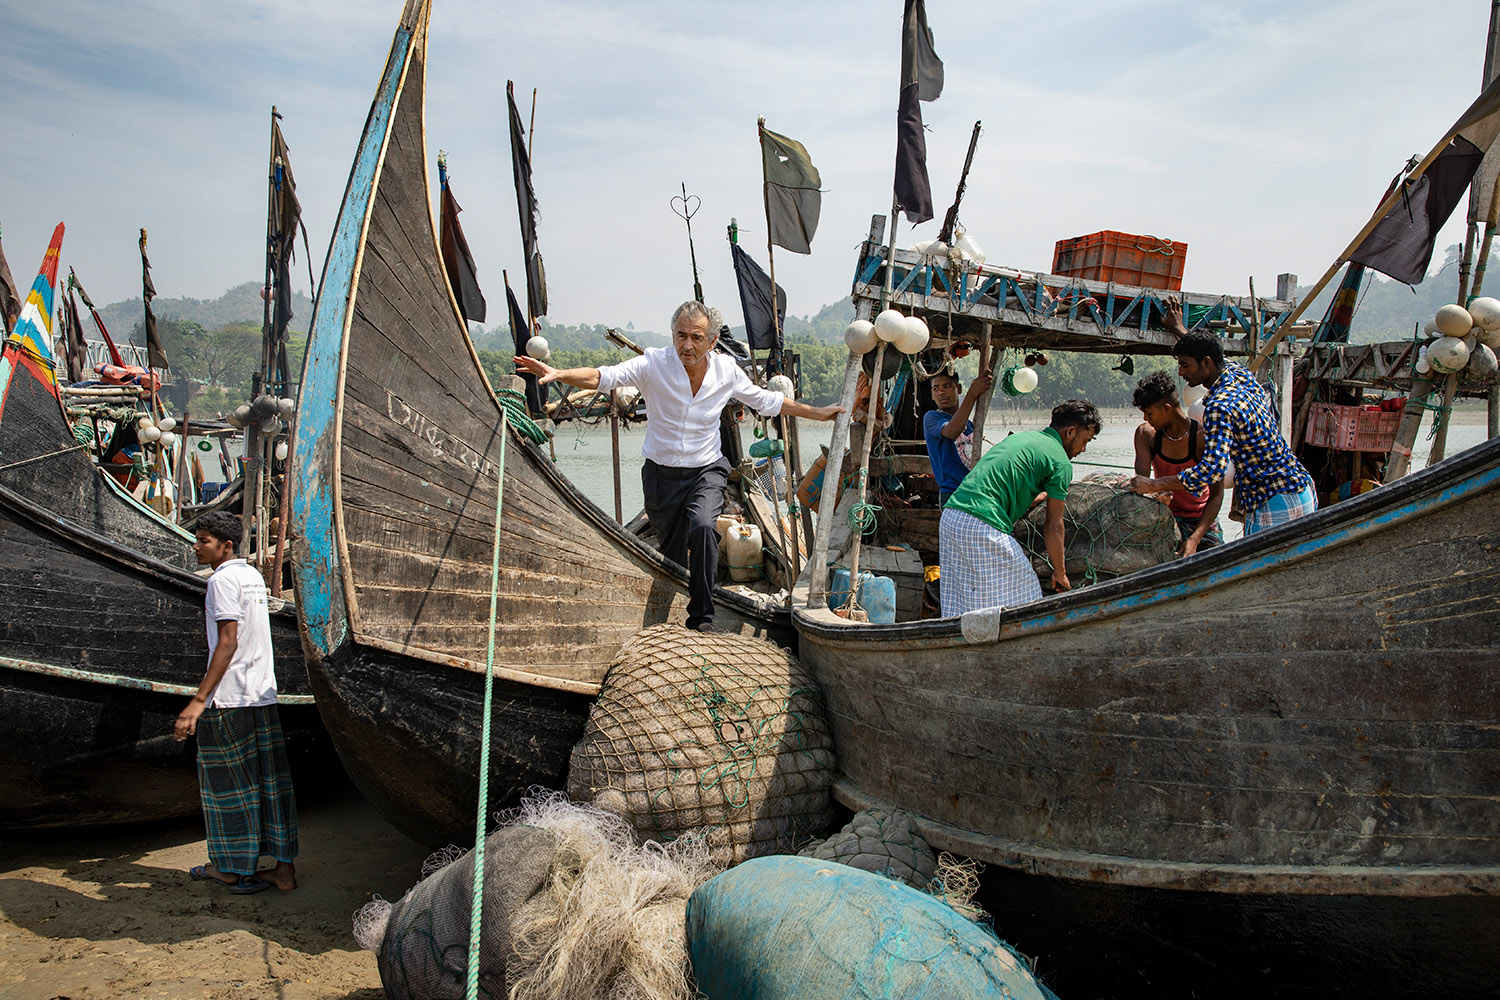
[718, 734]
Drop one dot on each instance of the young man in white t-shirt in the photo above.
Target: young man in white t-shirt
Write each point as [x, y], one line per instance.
[248, 804]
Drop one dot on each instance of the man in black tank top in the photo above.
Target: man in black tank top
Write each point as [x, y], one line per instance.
[1167, 442]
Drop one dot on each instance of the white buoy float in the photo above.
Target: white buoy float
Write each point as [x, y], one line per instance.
[1486, 312]
[1430, 329]
[915, 337]
[782, 384]
[148, 434]
[537, 347]
[889, 325]
[1423, 366]
[281, 450]
[167, 439]
[1454, 321]
[860, 337]
[167, 423]
[1448, 354]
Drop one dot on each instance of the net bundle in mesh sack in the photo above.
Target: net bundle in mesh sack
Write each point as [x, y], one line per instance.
[712, 733]
[574, 909]
[1108, 531]
[883, 841]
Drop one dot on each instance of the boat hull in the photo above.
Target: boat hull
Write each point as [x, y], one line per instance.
[99, 651]
[1231, 756]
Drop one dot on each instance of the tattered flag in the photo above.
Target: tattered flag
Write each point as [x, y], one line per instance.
[761, 326]
[921, 80]
[793, 195]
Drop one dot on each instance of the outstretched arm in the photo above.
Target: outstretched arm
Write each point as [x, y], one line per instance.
[792, 408]
[582, 378]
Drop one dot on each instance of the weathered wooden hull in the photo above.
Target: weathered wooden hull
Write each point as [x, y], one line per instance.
[398, 454]
[100, 648]
[1272, 767]
[102, 636]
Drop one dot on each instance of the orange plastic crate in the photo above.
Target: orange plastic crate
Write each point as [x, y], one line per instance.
[1143, 261]
[1351, 428]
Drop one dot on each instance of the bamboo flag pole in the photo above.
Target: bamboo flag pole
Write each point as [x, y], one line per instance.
[862, 474]
[787, 553]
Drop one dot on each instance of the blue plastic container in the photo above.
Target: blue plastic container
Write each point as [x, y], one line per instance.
[877, 594]
[211, 491]
[787, 928]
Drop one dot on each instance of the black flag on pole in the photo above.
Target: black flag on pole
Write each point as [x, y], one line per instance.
[536, 278]
[793, 196]
[283, 216]
[156, 355]
[77, 347]
[1401, 243]
[463, 274]
[755, 298]
[921, 80]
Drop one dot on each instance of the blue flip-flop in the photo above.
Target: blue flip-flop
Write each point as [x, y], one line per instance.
[199, 873]
[248, 884]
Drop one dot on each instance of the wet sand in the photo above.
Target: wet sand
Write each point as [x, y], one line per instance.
[103, 914]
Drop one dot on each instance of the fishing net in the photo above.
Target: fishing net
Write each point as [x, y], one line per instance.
[573, 910]
[883, 841]
[1108, 531]
[719, 734]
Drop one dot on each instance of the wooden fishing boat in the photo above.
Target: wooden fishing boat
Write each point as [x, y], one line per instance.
[398, 454]
[1271, 767]
[102, 641]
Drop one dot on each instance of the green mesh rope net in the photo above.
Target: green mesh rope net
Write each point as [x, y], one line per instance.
[1108, 531]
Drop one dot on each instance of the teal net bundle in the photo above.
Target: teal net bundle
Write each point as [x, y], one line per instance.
[1108, 531]
[709, 733]
[883, 841]
[790, 928]
[574, 909]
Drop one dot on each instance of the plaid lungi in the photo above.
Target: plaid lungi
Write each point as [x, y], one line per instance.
[982, 566]
[1281, 508]
[246, 787]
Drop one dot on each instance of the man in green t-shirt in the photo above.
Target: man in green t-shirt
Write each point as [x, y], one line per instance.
[983, 566]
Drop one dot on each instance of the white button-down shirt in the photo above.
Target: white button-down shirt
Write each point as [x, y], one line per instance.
[682, 430]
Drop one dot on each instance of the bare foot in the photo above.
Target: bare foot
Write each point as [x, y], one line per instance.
[283, 876]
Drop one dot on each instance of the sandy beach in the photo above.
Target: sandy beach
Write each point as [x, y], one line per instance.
[103, 914]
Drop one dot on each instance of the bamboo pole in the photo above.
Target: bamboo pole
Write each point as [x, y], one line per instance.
[614, 445]
[862, 469]
[1440, 421]
[984, 404]
[833, 471]
[182, 450]
[283, 512]
[787, 556]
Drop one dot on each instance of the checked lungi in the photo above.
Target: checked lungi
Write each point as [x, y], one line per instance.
[1281, 508]
[248, 805]
[982, 566]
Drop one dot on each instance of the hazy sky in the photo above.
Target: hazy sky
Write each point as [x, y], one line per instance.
[1260, 133]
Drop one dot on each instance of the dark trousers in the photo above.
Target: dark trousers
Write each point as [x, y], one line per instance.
[682, 505]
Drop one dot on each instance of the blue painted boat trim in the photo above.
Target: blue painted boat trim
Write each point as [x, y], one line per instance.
[320, 591]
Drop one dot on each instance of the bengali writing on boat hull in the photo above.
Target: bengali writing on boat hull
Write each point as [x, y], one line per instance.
[444, 444]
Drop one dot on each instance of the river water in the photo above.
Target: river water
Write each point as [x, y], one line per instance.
[583, 453]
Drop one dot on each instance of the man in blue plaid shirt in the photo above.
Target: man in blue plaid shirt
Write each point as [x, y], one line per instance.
[1272, 486]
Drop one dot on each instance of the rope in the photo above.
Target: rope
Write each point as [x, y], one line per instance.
[514, 405]
[862, 513]
[38, 458]
[477, 906]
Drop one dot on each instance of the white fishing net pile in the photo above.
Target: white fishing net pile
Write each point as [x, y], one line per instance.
[574, 910]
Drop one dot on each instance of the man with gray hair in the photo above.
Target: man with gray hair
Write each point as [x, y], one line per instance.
[685, 387]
